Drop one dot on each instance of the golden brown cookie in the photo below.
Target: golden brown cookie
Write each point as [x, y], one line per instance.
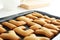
[34, 37]
[2, 30]
[31, 16]
[22, 32]
[45, 31]
[36, 26]
[9, 25]
[37, 14]
[17, 23]
[51, 26]
[23, 18]
[40, 21]
[11, 35]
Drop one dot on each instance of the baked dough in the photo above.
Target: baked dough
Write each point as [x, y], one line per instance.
[9, 25]
[23, 18]
[17, 23]
[22, 32]
[45, 31]
[1, 39]
[2, 30]
[31, 16]
[11, 35]
[36, 26]
[34, 37]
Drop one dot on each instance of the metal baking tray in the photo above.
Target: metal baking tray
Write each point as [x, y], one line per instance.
[25, 13]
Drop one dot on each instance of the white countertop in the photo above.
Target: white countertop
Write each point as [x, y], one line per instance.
[53, 8]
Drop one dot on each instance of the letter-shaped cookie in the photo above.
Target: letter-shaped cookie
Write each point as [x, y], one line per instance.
[55, 22]
[45, 31]
[35, 27]
[31, 37]
[11, 35]
[31, 23]
[2, 29]
[34, 37]
[23, 18]
[37, 14]
[51, 26]
[22, 32]
[54, 31]
[47, 17]
[40, 21]
[48, 21]
[17, 23]
[9, 25]
[31, 16]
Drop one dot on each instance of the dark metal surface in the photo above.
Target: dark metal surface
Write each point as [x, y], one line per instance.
[24, 13]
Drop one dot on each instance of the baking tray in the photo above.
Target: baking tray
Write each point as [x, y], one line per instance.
[25, 13]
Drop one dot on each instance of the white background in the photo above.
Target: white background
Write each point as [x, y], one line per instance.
[53, 8]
